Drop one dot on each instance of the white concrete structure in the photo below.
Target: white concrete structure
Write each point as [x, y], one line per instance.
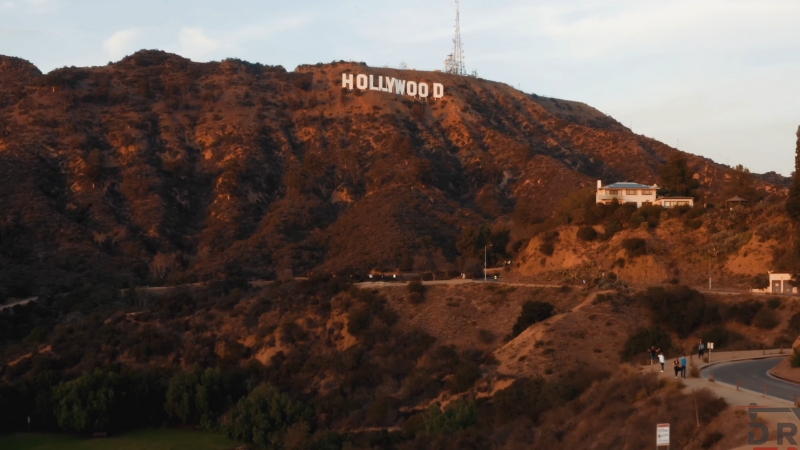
[671, 202]
[779, 283]
[626, 192]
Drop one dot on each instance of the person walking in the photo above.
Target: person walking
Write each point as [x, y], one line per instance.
[676, 365]
[683, 367]
[653, 354]
[661, 360]
[700, 348]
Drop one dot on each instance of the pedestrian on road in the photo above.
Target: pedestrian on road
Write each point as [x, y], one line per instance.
[661, 360]
[701, 348]
[683, 367]
[653, 354]
[676, 365]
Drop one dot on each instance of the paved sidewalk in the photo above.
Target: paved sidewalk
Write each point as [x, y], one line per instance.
[734, 397]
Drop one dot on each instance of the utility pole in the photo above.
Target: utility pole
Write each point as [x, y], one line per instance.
[484, 262]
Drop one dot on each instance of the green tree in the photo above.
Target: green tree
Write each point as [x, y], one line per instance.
[793, 202]
[677, 178]
[458, 416]
[532, 312]
[265, 416]
[741, 183]
[88, 402]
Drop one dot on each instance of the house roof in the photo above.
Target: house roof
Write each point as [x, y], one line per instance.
[736, 198]
[627, 185]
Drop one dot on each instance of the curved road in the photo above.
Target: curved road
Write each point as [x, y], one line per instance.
[753, 375]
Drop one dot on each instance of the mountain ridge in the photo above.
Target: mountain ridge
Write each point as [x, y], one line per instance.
[158, 169]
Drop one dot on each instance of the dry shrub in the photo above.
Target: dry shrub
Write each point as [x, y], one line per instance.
[621, 412]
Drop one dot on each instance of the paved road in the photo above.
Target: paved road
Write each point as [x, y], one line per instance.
[753, 375]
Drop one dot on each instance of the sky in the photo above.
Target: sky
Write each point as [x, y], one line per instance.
[718, 78]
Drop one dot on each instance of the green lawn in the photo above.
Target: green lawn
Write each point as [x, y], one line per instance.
[160, 439]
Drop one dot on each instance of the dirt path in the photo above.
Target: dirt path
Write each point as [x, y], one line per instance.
[19, 302]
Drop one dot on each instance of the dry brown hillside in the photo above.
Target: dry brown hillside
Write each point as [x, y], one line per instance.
[158, 169]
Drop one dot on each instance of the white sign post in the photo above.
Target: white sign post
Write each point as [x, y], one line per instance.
[662, 435]
[710, 347]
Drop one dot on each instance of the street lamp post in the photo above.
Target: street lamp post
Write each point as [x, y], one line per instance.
[484, 263]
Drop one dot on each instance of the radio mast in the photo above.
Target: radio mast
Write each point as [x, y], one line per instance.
[454, 63]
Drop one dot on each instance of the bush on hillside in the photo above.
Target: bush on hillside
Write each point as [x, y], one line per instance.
[743, 312]
[264, 417]
[639, 342]
[774, 303]
[587, 233]
[760, 281]
[680, 308]
[721, 337]
[532, 312]
[794, 324]
[766, 319]
[547, 249]
[635, 247]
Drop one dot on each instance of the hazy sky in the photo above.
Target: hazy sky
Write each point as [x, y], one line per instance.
[721, 76]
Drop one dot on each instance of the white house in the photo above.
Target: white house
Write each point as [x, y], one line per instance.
[626, 192]
[779, 283]
[671, 202]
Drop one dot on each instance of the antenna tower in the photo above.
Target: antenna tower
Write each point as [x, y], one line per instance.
[454, 63]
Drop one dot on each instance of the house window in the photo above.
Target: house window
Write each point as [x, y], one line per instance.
[647, 192]
[630, 191]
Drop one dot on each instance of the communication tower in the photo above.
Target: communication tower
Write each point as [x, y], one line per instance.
[454, 63]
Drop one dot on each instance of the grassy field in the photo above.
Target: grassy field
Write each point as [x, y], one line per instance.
[159, 439]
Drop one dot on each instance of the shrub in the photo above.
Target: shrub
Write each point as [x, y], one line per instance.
[744, 312]
[774, 303]
[587, 233]
[415, 298]
[264, 417]
[547, 249]
[532, 312]
[795, 359]
[640, 341]
[634, 246]
[794, 324]
[458, 416]
[680, 308]
[760, 281]
[721, 337]
[416, 287]
[765, 319]
[467, 373]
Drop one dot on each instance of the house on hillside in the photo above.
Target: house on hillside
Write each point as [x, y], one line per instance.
[779, 283]
[637, 194]
[626, 192]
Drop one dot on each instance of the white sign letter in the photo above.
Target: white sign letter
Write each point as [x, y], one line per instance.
[438, 90]
[400, 87]
[381, 85]
[372, 86]
[412, 88]
[347, 80]
[423, 90]
[361, 81]
[389, 84]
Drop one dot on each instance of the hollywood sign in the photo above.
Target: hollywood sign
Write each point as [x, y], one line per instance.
[389, 84]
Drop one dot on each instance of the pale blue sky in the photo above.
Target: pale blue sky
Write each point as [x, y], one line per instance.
[723, 76]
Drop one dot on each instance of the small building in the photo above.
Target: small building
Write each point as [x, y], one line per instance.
[626, 192]
[779, 283]
[735, 201]
[671, 202]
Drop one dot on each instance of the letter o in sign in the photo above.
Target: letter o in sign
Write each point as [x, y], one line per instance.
[423, 90]
[411, 88]
[361, 81]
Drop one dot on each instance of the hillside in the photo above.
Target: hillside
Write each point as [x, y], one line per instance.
[157, 169]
